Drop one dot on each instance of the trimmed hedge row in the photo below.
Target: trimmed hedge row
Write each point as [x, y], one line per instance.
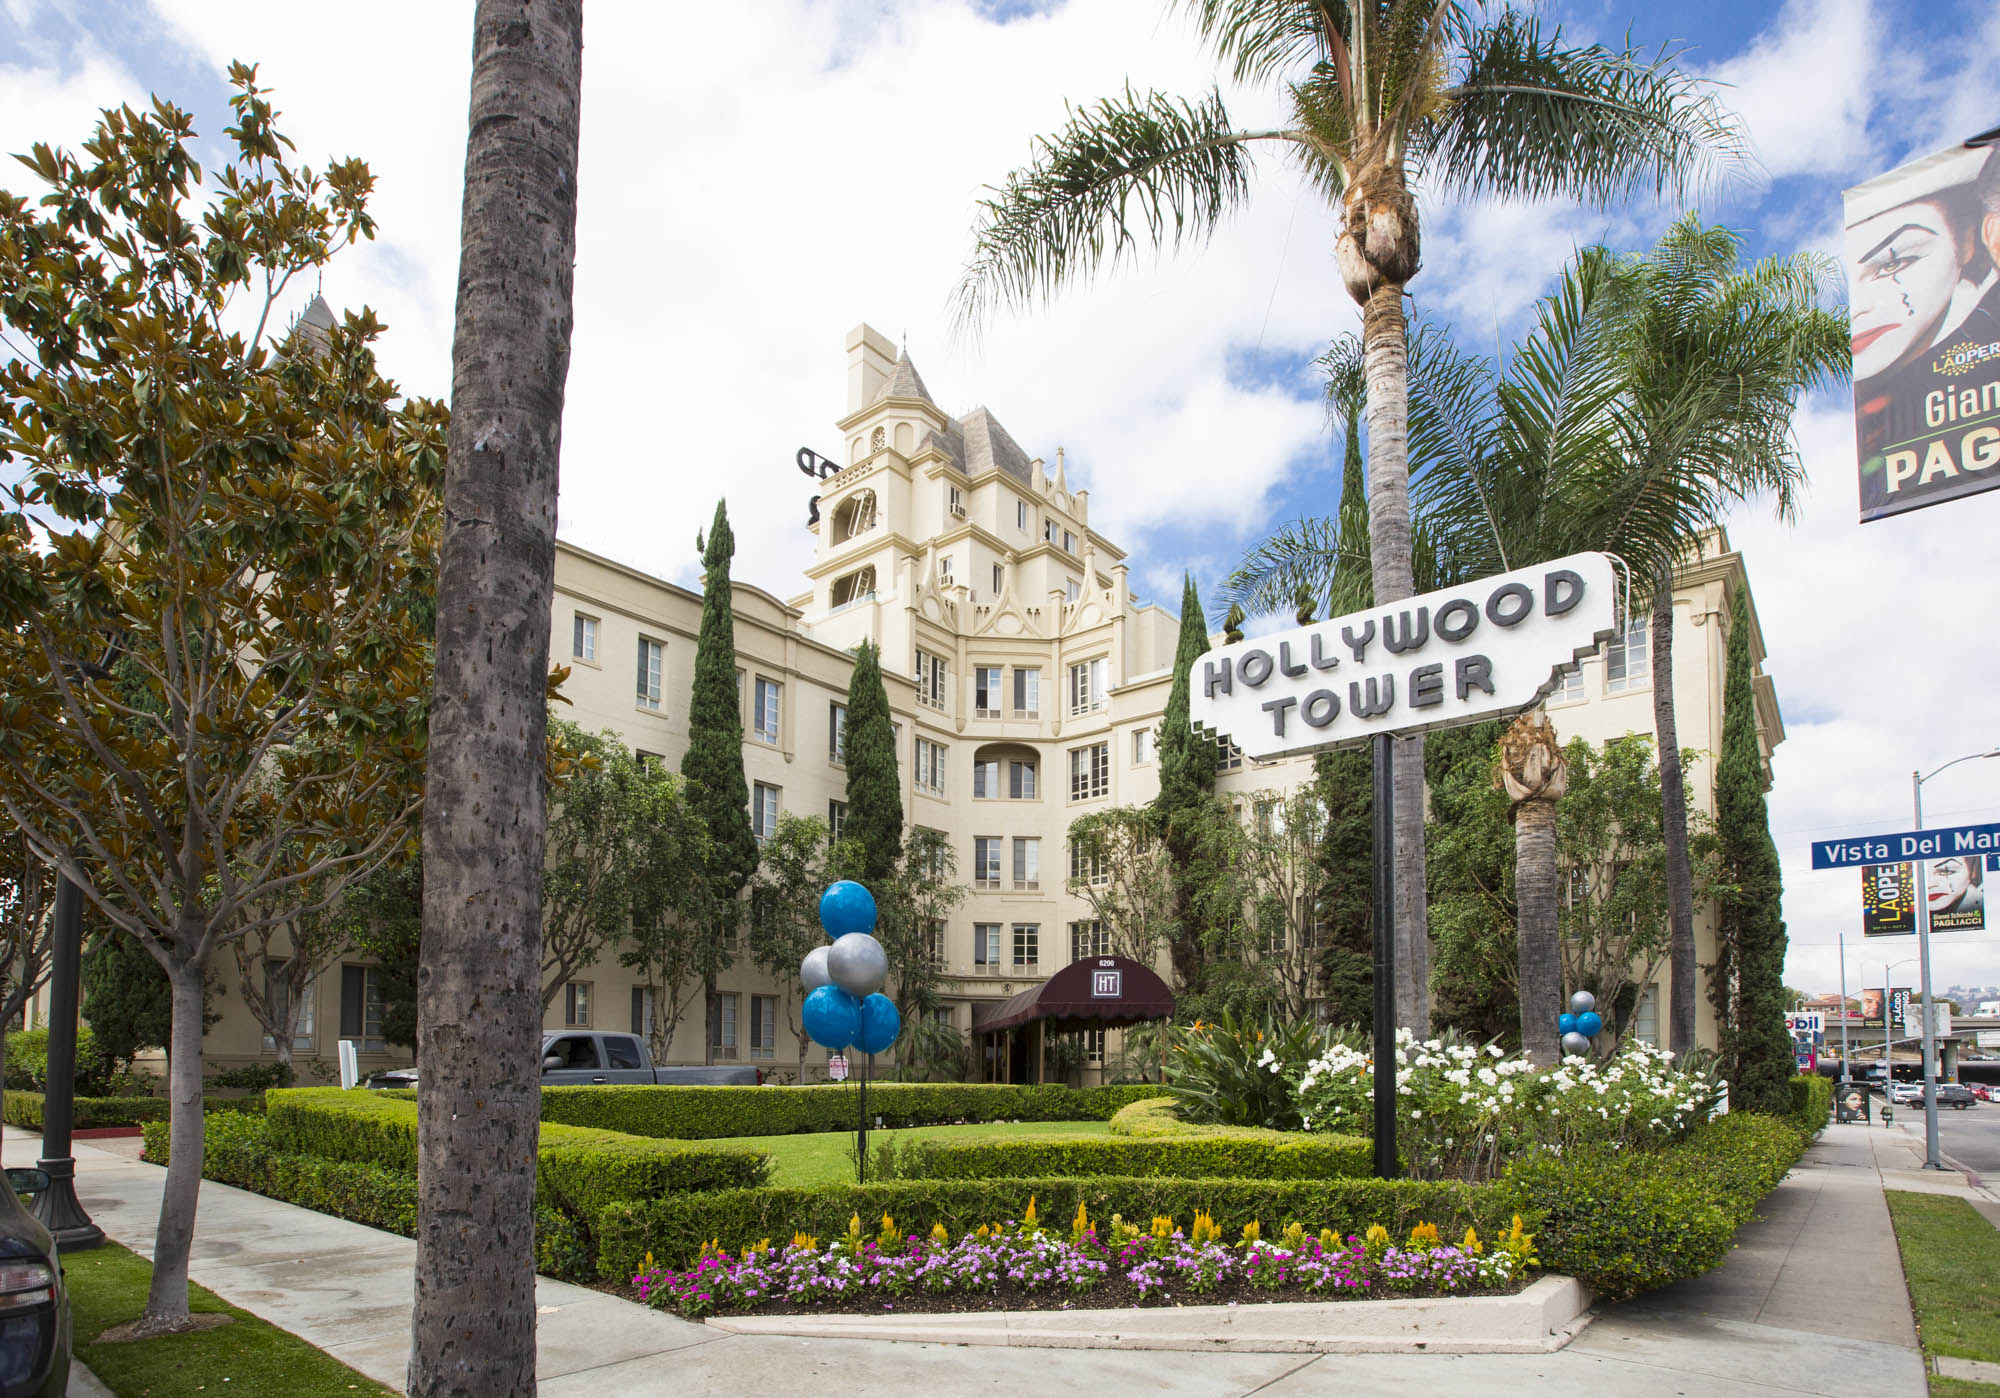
[1812, 1102]
[1623, 1222]
[1226, 1154]
[24, 1109]
[578, 1170]
[1160, 1116]
[700, 1113]
[675, 1228]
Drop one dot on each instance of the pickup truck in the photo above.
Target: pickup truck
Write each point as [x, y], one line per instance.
[581, 1057]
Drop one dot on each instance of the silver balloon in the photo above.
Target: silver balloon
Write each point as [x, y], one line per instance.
[857, 964]
[812, 971]
[1582, 1003]
[1575, 1044]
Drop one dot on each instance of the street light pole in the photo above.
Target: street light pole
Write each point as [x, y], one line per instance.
[1843, 1010]
[58, 1208]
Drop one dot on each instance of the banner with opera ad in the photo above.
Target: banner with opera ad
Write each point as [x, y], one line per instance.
[1955, 893]
[1923, 246]
[1888, 900]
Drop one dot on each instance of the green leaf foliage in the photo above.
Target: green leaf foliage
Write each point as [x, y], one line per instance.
[24, 1109]
[696, 1113]
[1241, 1155]
[713, 762]
[874, 789]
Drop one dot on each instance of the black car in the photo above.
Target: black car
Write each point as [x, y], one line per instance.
[34, 1303]
[1956, 1095]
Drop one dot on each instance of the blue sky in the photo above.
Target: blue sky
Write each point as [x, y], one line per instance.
[758, 178]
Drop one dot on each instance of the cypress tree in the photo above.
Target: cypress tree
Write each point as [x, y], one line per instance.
[874, 790]
[1187, 786]
[1757, 1049]
[713, 763]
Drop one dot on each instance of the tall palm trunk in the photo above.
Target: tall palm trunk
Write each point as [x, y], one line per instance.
[1534, 775]
[1673, 826]
[485, 815]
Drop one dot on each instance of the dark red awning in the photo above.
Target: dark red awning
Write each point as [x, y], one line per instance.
[1098, 992]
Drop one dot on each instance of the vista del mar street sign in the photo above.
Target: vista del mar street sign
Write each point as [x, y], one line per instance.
[1460, 654]
[1906, 845]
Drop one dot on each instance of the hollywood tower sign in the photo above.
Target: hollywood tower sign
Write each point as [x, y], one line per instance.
[1458, 655]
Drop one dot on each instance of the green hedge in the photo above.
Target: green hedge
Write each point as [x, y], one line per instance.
[24, 1109]
[1157, 1116]
[1812, 1102]
[698, 1113]
[1241, 1155]
[1623, 1222]
[674, 1229]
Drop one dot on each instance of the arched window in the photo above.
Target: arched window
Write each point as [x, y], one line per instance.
[854, 515]
[857, 586]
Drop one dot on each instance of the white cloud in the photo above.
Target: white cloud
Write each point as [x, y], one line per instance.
[1807, 86]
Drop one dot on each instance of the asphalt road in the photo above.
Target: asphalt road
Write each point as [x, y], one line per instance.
[1971, 1137]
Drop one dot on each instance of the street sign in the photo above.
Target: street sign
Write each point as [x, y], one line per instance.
[1809, 1025]
[836, 1067]
[1858, 850]
[1460, 654]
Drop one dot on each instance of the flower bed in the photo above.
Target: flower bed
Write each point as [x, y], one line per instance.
[1023, 1266]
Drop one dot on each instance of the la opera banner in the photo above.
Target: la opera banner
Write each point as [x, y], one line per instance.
[1923, 245]
[1888, 900]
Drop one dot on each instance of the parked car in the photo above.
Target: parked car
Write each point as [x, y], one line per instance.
[1955, 1095]
[578, 1057]
[1904, 1094]
[1985, 1092]
[392, 1077]
[34, 1303]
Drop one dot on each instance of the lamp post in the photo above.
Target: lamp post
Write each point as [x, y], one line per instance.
[1933, 1159]
[58, 1208]
[1887, 967]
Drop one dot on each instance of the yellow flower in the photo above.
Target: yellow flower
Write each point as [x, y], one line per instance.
[1330, 1240]
[1079, 1227]
[1028, 1218]
[1253, 1231]
[938, 1235]
[1425, 1233]
[649, 1260]
[1377, 1235]
[1472, 1243]
[804, 1241]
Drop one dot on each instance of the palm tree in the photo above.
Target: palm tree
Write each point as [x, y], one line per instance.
[479, 993]
[1534, 775]
[1381, 94]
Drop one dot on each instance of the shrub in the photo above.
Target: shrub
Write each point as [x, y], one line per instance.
[28, 1063]
[1812, 1103]
[674, 1229]
[24, 1109]
[1223, 1152]
[237, 1150]
[699, 1113]
[1626, 1221]
[254, 1077]
[1231, 1073]
[1160, 1116]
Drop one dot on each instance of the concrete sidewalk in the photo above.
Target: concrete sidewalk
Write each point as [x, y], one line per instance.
[1811, 1303]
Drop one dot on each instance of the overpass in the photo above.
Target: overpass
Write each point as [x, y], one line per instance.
[1864, 1040]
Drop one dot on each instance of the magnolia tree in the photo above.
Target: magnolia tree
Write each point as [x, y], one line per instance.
[27, 918]
[215, 693]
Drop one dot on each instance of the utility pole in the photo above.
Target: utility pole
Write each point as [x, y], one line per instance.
[1933, 1159]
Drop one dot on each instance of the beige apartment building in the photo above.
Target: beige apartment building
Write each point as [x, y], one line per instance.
[1026, 681]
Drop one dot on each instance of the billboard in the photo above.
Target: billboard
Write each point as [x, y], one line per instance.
[1955, 892]
[1871, 1007]
[1923, 242]
[1888, 900]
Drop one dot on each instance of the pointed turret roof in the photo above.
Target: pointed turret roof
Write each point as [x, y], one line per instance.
[905, 382]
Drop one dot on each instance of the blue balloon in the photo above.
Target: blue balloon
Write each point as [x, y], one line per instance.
[880, 1024]
[1566, 1024]
[831, 1017]
[1590, 1025]
[846, 907]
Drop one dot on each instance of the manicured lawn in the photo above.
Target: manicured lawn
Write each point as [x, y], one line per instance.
[1951, 1256]
[108, 1287]
[827, 1157]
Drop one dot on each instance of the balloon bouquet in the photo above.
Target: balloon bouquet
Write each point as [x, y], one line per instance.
[844, 1005]
[1581, 1024]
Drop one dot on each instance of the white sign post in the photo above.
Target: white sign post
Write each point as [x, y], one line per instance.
[1453, 656]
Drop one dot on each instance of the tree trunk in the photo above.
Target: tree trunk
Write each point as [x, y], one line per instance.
[711, 1018]
[167, 1300]
[485, 813]
[1673, 827]
[1392, 568]
[1536, 933]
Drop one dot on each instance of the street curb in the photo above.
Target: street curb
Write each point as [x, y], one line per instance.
[1541, 1319]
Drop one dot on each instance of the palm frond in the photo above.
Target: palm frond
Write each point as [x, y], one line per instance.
[1259, 39]
[1531, 118]
[1150, 165]
[1307, 557]
[1346, 382]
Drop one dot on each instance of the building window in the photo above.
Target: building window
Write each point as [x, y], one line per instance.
[986, 861]
[955, 502]
[1142, 747]
[987, 691]
[1023, 517]
[999, 579]
[1020, 779]
[1051, 531]
[931, 679]
[576, 1005]
[277, 1003]
[944, 571]
[1228, 757]
[986, 944]
[1027, 863]
[361, 1007]
[583, 638]
[1026, 937]
[1069, 542]
[1570, 691]
[986, 779]
[1088, 938]
[649, 761]
[1625, 658]
[1088, 868]
[1086, 687]
[1089, 771]
[934, 941]
[1093, 1045]
[857, 586]
[836, 734]
[764, 719]
[1027, 692]
[722, 1023]
[930, 766]
[644, 1007]
[652, 659]
[1072, 589]
[763, 811]
[836, 819]
[1646, 1017]
[763, 1026]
